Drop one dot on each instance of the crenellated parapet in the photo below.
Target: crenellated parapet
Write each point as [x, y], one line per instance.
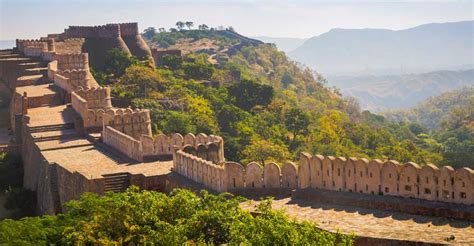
[103, 31]
[207, 147]
[342, 174]
[32, 47]
[79, 61]
[134, 123]
[128, 29]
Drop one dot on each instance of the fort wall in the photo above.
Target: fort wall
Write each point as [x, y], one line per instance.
[120, 141]
[103, 31]
[346, 174]
[134, 123]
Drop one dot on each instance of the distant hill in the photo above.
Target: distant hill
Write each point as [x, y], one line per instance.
[432, 112]
[378, 93]
[430, 47]
[283, 44]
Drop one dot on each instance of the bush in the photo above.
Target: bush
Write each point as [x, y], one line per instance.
[146, 217]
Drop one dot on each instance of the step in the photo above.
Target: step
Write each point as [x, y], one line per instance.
[3, 56]
[55, 135]
[30, 80]
[49, 128]
[35, 71]
[29, 65]
[116, 181]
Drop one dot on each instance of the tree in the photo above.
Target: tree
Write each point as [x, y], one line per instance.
[117, 61]
[178, 122]
[180, 25]
[172, 62]
[138, 81]
[229, 116]
[296, 121]
[203, 27]
[189, 24]
[138, 217]
[286, 80]
[149, 33]
[248, 94]
[200, 68]
[161, 29]
[262, 150]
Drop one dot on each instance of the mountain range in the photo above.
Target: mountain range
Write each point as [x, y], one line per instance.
[425, 48]
[378, 93]
[388, 69]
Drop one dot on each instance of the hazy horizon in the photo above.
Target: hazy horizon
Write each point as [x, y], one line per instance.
[282, 18]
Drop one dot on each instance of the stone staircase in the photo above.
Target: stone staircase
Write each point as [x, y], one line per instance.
[53, 132]
[49, 128]
[116, 182]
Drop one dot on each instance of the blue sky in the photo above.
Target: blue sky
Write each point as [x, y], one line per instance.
[277, 18]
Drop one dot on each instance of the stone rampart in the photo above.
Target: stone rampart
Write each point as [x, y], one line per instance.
[97, 98]
[128, 29]
[204, 172]
[134, 123]
[353, 175]
[122, 142]
[103, 31]
[78, 61]
[31, 47]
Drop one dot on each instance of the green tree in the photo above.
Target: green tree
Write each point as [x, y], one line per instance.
[117, 61]
[137, 217]
[203, 27]
[178, 122]
[296, 121]
[172, 62]
[189, 24]
[180, 25]
[139, 81]
[248, 94]
[262, 151]
[149, 33]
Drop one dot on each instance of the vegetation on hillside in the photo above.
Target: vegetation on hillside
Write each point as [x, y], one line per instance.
[444, 123]
[137, 217]
[277, 105]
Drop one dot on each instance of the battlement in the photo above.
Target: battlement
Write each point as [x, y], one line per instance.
[103, 31]
[32, 47]
[128, 29]
[340, 174]
[134, 123]
[78, 61]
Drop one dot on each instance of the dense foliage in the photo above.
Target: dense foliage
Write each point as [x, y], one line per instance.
[445, 123]
[143, 217]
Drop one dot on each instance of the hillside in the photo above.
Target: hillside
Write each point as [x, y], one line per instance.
[450, 119]
[271, 111]
[430, 47]
[435, 112]
[378, 93]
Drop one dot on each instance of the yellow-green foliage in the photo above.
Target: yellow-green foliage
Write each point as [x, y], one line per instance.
[137, 217]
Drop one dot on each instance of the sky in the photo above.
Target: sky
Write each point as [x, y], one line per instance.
[276, 18]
